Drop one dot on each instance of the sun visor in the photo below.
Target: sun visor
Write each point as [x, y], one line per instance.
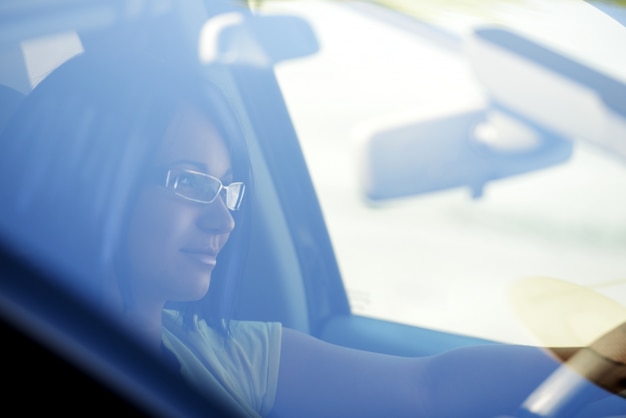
[581, 99]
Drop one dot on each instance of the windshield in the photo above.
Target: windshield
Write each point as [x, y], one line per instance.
[315, 208]
[445, 260]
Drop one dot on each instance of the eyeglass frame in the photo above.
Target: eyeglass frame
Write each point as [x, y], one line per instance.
[170, 184]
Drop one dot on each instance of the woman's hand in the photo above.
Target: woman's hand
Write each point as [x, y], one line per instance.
[587, 375]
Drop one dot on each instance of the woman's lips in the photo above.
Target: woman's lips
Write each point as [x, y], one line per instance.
[206, 257]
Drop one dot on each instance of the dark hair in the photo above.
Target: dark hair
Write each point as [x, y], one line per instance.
[75, 153]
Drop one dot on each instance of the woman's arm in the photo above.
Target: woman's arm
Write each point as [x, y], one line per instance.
[319, 379]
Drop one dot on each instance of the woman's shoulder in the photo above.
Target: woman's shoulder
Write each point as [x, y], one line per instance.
[255, 343]
[245, 360]
[237, 330]
[255, 332]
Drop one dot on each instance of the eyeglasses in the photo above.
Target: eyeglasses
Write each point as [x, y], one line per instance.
[202, 188]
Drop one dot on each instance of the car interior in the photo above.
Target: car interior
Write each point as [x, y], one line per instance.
[292, 275]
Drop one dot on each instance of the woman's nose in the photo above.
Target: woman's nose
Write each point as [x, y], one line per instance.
[216, 217]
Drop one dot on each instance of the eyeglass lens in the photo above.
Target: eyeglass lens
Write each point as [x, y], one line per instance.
[203, 188]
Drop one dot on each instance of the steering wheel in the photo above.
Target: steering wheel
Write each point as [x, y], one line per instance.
[592, 374]
[595, 376]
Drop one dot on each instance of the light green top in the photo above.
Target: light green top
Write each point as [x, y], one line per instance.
[243, 367]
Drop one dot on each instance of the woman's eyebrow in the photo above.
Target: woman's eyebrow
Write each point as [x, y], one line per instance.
[202, 167]
[197, 165]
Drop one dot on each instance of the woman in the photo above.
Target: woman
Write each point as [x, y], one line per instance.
[132, 186]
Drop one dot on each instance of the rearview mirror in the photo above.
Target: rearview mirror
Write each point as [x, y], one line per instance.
[399, 158]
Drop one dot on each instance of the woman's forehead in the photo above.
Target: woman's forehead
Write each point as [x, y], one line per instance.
[192, 139]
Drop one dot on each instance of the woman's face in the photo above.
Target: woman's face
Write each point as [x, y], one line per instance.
[174, 242]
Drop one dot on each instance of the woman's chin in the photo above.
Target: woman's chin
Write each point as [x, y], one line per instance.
[195, 291]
